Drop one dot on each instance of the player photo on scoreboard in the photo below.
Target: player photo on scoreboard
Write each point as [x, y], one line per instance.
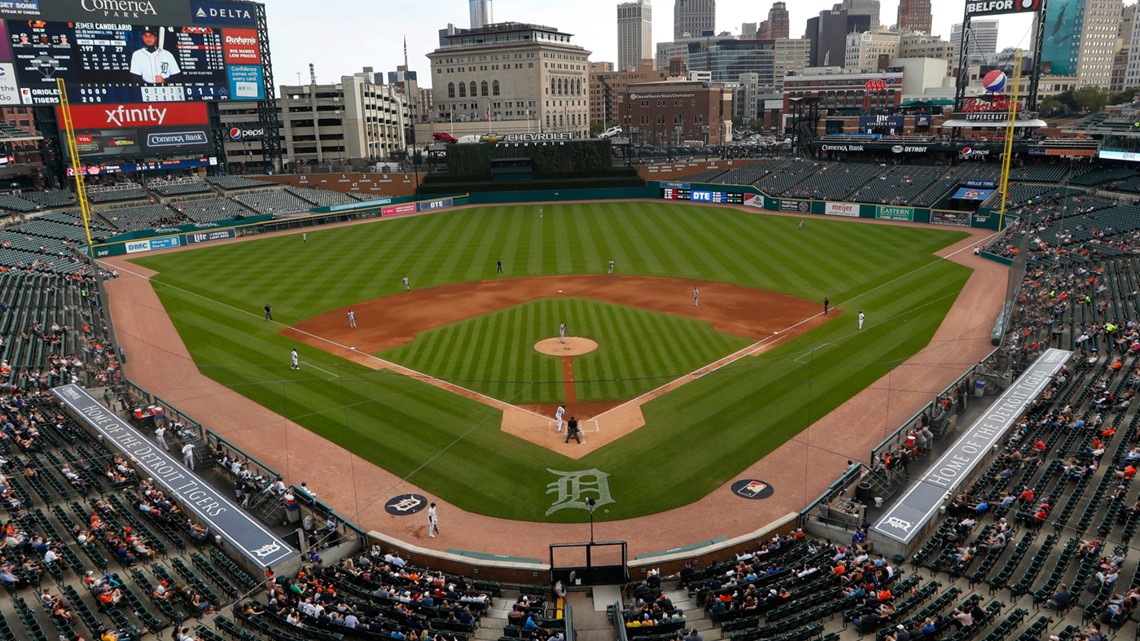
[153, 60]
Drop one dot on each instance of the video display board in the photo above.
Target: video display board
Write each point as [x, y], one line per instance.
[699, 195]
[129, 51]
[140, 129]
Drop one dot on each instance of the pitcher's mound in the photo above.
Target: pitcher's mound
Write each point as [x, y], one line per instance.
[573, 346]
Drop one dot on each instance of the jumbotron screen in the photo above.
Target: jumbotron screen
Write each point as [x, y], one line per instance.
[129, 51]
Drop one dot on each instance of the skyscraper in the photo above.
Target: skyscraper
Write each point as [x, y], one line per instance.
[914, 15]
[693, 17]
[480, 13]
[983, 38]
[862, 8]
[635, 33]
[777, 25]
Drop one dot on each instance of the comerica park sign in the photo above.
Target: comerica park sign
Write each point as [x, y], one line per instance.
[976, 8]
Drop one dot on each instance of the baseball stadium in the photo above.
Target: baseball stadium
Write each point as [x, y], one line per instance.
[870, 382]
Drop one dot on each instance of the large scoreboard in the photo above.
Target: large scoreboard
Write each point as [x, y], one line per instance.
[129, 51]
[682, 191]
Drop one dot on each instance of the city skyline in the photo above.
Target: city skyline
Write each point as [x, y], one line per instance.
[295, 30]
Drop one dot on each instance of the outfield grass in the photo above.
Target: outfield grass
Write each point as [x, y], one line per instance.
[696, 437]
[638, 350]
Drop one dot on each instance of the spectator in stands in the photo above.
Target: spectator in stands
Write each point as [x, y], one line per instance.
[1061, 599]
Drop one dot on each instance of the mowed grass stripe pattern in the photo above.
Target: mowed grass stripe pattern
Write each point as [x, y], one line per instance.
[638, 350]
[344, 265]
[695, 438]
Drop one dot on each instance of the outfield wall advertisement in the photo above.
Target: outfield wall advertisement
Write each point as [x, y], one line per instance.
[887, 212]
[849, 210]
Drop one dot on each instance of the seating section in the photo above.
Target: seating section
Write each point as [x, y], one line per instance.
[898, 184]
[1038, 173]
[230, 183]
[51, 198]
[17, 204]
[116, 193]
[145, 216]
[786, 173]
[277, 201]
[835, 181]
[210, 209]
[179, 186]
[1095, 175]
[319, 197]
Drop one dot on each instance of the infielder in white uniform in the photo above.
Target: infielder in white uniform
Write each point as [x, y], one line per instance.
[860, 319]
[696, 297]
[295, 358]
[352, 319]
[407, 284]
[558, 413]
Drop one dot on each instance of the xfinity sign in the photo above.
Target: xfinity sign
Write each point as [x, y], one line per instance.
[997, 7]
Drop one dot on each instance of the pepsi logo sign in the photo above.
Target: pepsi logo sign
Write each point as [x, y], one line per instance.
[994, 81]
[237, 133]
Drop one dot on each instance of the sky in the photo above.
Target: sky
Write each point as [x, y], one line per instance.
[348, 35]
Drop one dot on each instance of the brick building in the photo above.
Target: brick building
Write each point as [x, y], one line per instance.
[675, 113]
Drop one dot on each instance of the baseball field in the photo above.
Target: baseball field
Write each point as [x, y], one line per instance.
[760, 281]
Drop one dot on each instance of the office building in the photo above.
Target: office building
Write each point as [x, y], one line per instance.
[693, 18]
[608, 87]
[513, 72]
[634, 33]
[405, 82]
[921, 45]
[727, 59]
[1123, 48]
[778, 25]
[828, 35]
[982, 41]
[866, 50]
[480, 11]
[675, 113]
[914, 15]
[862, 8]
[352, 119]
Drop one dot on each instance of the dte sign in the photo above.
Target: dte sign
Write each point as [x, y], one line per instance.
[701, 196]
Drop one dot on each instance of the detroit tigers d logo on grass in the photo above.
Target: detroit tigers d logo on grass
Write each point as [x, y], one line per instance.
[571, 488]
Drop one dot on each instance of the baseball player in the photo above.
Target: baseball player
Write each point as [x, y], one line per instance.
[352, 319]
[188, 455]
[268, 312]
[433, 521]
[304, 237]
[611, 266]
[160, 436]
[558, 414]
[860, 319]
[696, 297]
[562, 332]
[407, 284]
[295, 358]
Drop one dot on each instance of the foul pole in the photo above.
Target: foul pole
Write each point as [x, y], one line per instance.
[76, 168]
